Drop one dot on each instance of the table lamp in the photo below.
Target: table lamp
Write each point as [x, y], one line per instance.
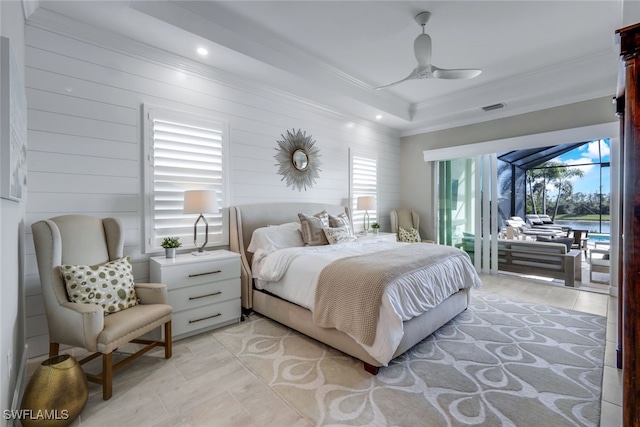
[366, 203]
[200, 202]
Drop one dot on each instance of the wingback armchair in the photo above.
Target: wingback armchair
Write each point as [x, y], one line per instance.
[406, 219]
[89, 241]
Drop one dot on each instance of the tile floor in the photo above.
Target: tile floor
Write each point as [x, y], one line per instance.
[203, 384]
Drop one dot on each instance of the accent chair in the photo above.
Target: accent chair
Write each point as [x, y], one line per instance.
[406, 219]
[599, 262]
[90, 244]
[580, 239]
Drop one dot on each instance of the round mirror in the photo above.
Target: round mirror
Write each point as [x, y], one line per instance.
[300, 160]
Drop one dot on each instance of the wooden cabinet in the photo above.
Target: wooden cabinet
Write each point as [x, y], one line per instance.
[628, 107]
[204, 291]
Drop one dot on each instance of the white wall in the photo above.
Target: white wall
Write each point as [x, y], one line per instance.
[12, 336]
[85, 141]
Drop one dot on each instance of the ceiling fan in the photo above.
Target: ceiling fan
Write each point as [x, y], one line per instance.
[426, 70]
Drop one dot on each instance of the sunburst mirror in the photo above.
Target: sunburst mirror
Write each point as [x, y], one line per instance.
[298, 159]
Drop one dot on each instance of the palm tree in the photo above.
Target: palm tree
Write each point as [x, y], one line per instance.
[563, 183]
[554, 173]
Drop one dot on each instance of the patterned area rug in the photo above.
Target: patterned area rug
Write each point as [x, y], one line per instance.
[501, 362]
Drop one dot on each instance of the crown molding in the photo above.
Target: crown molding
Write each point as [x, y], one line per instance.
[533, 91]
[220, 26]
[545, 74]
[29, 7]
[68, 27]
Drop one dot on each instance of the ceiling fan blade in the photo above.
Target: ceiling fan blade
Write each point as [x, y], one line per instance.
[422, 50]
[441, 73]
[412, 76]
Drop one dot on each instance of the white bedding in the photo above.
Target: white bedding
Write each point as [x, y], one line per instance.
[292, 274]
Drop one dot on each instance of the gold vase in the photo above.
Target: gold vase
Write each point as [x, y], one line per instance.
[55, 394]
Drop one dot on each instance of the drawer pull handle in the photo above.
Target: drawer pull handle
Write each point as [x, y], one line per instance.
[204, 296]
[205, 318]
[204, 274]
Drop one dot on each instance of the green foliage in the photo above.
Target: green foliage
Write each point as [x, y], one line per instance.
[554, 174]
[375, 225]
[171, 242]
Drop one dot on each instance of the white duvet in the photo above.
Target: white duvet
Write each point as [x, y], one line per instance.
[292, 274]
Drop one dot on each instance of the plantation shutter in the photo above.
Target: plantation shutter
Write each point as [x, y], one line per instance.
[364, 182]
[187, 153]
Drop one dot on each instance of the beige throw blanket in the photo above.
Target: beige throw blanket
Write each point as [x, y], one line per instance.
[349, 290]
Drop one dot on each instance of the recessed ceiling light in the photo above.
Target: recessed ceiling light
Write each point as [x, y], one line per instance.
[202, 51]
[379, 116]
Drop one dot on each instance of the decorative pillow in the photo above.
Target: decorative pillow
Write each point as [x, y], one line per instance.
[342, 220]
[311, 228]
[567, 241]
[411, 236]
[276, 237]
[109, 285]
[338, 234]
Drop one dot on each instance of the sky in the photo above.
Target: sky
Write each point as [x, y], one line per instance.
[588, 153]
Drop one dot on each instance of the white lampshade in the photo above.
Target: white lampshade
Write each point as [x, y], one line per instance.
[366, 202]
[200, 201]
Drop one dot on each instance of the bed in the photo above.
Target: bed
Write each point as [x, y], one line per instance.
[244, 220]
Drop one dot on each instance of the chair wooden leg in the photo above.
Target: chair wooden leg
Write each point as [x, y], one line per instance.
[107, 376]
[54, 348]
[167, 340]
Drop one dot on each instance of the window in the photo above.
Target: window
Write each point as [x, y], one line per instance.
[182, 152]
[364, 182]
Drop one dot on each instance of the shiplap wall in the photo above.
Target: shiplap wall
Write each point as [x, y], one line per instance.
[84, 120]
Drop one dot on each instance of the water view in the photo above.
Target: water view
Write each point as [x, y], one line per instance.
[592, 226]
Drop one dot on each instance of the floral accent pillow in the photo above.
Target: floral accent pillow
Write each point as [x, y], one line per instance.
[108, 285]
[410, 236]
[338, 234]
[311, 228]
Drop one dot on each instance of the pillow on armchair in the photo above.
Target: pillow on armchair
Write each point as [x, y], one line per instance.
[409, 236]
[108, 285]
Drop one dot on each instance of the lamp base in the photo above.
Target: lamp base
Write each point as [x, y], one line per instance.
[196, 253]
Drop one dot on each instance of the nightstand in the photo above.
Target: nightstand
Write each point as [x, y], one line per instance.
[204, 291]
[387, 237]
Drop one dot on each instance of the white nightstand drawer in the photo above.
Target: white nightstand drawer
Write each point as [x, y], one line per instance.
[205, 294]
[204, 290]
[188, 274]
[205, 317]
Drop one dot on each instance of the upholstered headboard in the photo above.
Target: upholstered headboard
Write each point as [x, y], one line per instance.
[244, 219]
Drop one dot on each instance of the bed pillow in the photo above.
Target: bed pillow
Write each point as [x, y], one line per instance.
[337, 235]
[274, 237]
[311, 228]
[411, 236]
[342, 220]
[108, 285]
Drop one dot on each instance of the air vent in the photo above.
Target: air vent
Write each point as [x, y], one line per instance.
[493, 107]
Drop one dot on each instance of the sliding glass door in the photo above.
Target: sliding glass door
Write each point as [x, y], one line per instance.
[466, 203]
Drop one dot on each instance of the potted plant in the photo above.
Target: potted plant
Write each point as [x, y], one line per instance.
[170, 244]
[375, 227]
